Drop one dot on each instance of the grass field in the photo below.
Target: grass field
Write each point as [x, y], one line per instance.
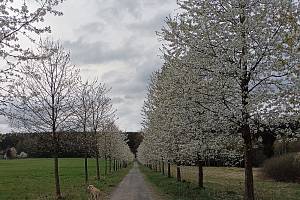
[33, 179]
[221, 183]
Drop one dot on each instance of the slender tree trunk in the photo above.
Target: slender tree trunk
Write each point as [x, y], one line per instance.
[86, 169]
[106, 166]
[114, 165]
[249, 185]
[86, 151]
[200, 173]
[55, 139]
[110, 165]
[163, 167]
[56, 171]
[86, 159]
[159, 166]
[178, 173]
[169, 169]
[56, 175]
[98, 166]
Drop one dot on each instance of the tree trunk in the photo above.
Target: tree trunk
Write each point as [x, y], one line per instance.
[249, 186]
[110, 165]
[56, 171]
[169, 169]
[163, 167]
[159, 164]
[56, 175]
[98, 167]
[245, 79]
[86, 169]
[200, 173]
[178, 173]
[114, 165]
[86, 154]
[106, 166]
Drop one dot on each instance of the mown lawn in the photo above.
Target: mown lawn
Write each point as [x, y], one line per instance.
[33, 178]
[220, 183]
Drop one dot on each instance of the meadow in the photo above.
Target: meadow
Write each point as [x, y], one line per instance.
[33, 179]
[226, 183]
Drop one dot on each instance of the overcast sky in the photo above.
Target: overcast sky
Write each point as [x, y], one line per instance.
[115, 41]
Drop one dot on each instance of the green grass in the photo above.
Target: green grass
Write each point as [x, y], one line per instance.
[33, 178]
[220, 183]
[171, 189]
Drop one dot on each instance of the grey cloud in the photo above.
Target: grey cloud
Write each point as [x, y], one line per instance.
[117, 100]
[94, 27]
[116, 8]
[100, 52]
[149, 27]
[3, 120]
[134, 87]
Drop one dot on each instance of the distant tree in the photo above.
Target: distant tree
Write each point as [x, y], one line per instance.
[112, 146]
[42, 98]
[134, 139]
[82, 115]
[102, 114]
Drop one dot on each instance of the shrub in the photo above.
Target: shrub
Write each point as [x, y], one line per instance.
[283, 168]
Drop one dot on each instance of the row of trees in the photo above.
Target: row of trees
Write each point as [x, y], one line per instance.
[231, 70]
[42, 92]
[48, 96]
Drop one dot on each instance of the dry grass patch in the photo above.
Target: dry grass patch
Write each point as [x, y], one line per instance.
[231, 180]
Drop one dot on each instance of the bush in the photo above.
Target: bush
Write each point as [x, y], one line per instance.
[283, 168]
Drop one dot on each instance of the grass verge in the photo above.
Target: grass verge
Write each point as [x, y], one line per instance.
[220, 183]
[171, 189]
[33, 179]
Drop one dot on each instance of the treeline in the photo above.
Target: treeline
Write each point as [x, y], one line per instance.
[38, 145]
[229, 85]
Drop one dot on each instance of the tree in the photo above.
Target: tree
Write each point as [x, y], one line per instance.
[82, 114]
[249, 53]
[134, 139]
[20, 21]
[102, 113]
[112, 144]
[176, 129]
[42, 98]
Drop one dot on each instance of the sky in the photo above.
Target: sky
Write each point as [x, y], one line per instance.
[114, 41]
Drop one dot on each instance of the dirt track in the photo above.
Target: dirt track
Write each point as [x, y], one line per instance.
[133, 187]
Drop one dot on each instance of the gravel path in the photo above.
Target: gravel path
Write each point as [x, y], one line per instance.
[133, 187]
